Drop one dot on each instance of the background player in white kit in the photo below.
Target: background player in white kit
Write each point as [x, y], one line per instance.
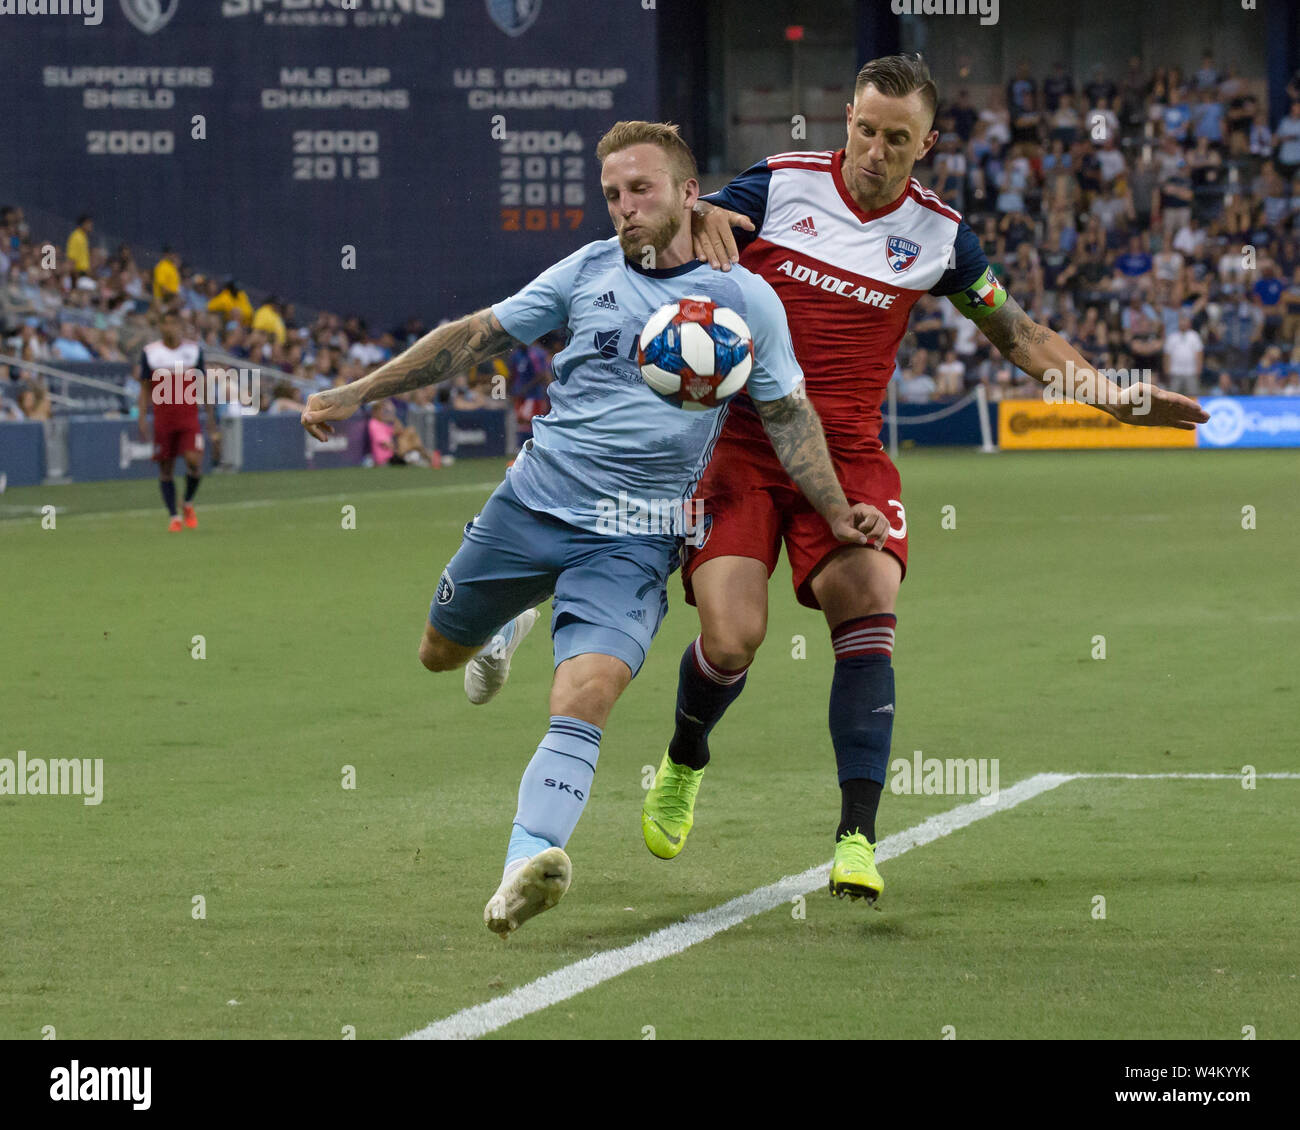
[172, 383]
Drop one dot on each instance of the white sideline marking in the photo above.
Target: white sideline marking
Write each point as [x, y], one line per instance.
[1184, 776]
[480, 1019]
[257, 503]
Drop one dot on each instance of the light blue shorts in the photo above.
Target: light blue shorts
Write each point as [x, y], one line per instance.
[611, 591]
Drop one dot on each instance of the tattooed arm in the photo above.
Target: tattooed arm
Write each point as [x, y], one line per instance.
[439, 355]
[1051, 360]
[1021, 340]
[796, 433]
[1047, 357]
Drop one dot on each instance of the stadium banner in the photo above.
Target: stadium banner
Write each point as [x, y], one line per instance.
[960, 428]
[22, 453]
[108, 449]
[344, 448]
[392, 158]
[273, 443]
[1250, 421]
[1032, 425]
[472, 432]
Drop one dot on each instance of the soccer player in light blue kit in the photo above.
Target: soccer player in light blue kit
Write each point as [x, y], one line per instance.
[608, 442]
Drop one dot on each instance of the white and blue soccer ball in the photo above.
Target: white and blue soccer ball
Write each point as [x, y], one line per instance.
[695, 353]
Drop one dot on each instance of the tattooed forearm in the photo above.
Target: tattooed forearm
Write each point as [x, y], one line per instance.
[1016, 335]
[796, 434]
[439, 355]
[1047, 357]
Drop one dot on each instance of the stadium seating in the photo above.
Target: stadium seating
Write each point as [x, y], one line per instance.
[1071, 225]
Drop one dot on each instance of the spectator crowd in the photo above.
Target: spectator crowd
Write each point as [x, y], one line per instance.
[86, 304]
[1152, 218]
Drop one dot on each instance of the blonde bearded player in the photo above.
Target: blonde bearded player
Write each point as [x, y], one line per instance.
[849, 242]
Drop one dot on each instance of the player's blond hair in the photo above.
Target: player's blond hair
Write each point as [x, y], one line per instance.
[623, 135]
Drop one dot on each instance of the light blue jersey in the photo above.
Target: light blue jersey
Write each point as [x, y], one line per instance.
[607, 432]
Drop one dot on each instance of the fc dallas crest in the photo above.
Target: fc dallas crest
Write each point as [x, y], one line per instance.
[901, 253]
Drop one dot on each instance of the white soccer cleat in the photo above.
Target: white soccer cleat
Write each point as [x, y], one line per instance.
[486, 674]
[529, 889]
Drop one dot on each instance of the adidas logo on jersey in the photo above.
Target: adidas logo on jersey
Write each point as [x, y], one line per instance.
[804, 226]
[607, 301]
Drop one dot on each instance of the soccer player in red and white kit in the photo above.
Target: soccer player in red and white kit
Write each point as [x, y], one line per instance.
[172, 380]
[849, 241]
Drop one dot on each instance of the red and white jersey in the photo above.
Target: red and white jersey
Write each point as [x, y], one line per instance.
[175, 383]
[848, 278]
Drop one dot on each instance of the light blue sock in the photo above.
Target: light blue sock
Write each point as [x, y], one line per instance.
[500, 639]
[523, 846]
[554, 788]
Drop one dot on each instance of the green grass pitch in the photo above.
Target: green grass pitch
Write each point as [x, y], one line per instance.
[327, 907]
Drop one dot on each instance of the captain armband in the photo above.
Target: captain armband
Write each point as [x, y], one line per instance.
[983, 298]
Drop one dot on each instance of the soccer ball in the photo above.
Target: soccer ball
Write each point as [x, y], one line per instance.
[695, 353]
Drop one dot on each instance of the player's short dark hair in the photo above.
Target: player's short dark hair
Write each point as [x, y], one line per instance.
[623, 135]
[898, 76]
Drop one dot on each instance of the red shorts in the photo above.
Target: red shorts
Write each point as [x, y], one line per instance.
[751, 506]
[171, 442]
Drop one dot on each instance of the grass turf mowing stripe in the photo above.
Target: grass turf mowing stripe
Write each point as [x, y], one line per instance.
[479, 1020]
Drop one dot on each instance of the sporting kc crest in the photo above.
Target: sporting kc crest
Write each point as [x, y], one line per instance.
[149, 16]
[514, 17]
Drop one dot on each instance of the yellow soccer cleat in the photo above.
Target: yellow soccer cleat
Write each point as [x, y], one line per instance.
[853, 871]
[669, 808]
